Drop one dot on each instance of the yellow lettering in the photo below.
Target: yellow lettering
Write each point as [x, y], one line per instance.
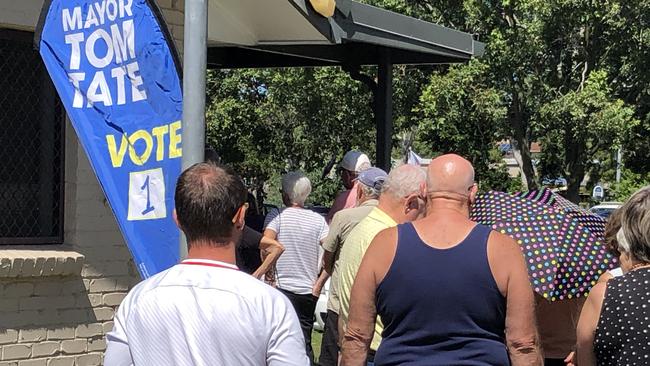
[160, 133]
[117, 157]
[142, 154]
[140, 135]
[174, 140]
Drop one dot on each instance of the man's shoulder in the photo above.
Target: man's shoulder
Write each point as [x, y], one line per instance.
[374, 222]
[144, 286]
[233, 281]
[361, 229]
[359, 238]
[355, 214]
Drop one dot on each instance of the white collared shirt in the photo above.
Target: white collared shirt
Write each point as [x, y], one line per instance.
[203, 312]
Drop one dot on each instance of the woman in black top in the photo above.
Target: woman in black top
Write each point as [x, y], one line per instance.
[614, 327]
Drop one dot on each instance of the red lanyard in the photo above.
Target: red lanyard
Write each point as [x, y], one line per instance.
[209, 264]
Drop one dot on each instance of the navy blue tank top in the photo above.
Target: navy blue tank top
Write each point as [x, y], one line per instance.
[441, 306]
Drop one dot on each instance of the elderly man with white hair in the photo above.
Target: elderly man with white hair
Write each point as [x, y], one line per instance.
[402, 200]
[369, 186]
[301, 231]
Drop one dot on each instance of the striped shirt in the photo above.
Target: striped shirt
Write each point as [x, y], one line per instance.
[300, 231]
[204, 312]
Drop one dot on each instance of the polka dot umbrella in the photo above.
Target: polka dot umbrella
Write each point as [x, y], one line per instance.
[564, 258]
[554, 201]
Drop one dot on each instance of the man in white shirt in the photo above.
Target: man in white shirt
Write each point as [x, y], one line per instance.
[204, 311]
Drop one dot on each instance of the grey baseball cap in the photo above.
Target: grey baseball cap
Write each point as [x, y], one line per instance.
[373, 177]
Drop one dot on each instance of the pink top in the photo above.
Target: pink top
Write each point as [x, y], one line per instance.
[345, 199]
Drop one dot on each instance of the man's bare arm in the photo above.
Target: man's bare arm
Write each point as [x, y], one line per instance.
[512, 277]
[363, 312]
[361, 322]
[326, 273]
[273, 249]
[328, 262]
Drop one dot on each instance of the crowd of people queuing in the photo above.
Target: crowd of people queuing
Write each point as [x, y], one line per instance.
[413, 280]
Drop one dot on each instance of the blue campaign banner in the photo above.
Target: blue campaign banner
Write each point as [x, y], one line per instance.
[117, 73]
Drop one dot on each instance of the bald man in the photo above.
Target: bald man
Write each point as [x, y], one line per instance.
[448, 291]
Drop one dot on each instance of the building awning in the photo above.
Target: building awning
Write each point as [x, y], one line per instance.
[290, 33]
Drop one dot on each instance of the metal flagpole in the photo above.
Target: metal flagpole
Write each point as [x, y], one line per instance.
[194, 73]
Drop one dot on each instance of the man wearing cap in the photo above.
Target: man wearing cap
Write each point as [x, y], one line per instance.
[352, 164]
[368, 188]
[402, 200]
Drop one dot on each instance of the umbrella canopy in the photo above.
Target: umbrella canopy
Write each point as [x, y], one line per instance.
[564, 258]
[554, 201]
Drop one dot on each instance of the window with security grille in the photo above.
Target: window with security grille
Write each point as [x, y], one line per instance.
[31, 146]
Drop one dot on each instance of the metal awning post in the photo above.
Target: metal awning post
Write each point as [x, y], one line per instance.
[195, 48]
[384, 111]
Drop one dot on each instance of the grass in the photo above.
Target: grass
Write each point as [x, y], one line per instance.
[316, 339]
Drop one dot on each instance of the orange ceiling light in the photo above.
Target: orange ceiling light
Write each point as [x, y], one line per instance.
[324, 7]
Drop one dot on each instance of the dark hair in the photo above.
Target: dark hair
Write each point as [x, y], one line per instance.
[207, 197]
[211, 156]
[611, 229]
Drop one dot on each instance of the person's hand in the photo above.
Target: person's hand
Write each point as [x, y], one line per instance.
[315, 291]
[569, 360]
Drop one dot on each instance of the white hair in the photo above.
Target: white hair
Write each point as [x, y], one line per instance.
[297, 187]
[370, 192]
[364, 166]
[405, 180]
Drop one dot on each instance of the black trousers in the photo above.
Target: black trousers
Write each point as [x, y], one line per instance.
[329, 349]
[304, 305]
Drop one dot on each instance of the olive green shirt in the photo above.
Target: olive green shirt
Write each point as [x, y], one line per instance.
[342, 224]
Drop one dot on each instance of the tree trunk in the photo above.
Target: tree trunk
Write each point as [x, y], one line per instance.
[573, 183]
[523, 145]
[575, 167]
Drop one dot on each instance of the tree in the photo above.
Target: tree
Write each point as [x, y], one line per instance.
[572, 74]
[584, 123]
[458, 112]
[265, 122]
[630, 183]
[542, 53]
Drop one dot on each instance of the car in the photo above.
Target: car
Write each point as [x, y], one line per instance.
[605, 209]
[320, 314]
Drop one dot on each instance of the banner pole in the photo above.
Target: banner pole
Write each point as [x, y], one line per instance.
[194, 74]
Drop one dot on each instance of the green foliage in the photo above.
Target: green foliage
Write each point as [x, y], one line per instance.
[571, 74]
[582, 124]
[630, 183]
[265, 122]
[454, 111]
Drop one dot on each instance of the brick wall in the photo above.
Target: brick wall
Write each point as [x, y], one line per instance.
[175, 18]
[63, 320]
[49, 317]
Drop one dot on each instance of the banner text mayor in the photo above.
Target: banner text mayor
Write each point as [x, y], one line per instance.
[117, 46]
